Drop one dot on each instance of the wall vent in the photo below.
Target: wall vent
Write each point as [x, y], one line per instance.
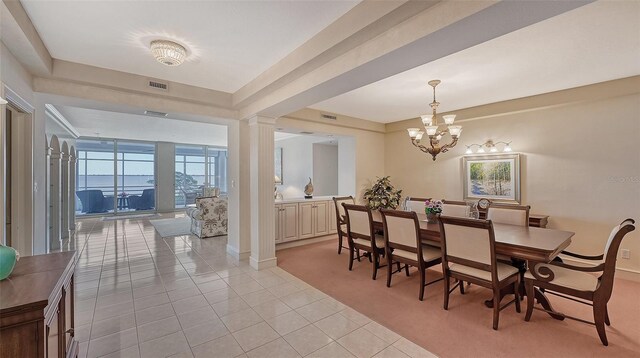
[328, 116]
[306, 133]
[156, 113]
[158, 85]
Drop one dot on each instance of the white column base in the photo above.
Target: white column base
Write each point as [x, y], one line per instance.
[233, 252]
[264, 264]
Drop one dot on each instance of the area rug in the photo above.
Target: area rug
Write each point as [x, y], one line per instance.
[124, 217]
[172, 227]
[465, 329]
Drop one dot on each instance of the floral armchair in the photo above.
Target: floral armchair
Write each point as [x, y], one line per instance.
[209, 217]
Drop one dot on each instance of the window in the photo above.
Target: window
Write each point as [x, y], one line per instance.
[198, 167]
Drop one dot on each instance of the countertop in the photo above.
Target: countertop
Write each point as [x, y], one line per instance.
[302, 200]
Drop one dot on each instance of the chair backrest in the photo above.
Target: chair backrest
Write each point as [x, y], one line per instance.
[468, 242]
[509, 214]
[611, 255]
[340, 214]
[455, 208]
[212, 191]
[415, 204]
[401, 231]
[359, 221]
[93, 201]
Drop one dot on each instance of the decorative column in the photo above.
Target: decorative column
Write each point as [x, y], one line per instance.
[64, 192]
[54, 196]
[263, 240]
[72, 191]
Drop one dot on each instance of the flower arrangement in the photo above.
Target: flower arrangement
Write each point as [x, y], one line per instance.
[382, 195]
[432, 207]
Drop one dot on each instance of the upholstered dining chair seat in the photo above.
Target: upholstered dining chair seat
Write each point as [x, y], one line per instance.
[577, 280]
[428, 253]
[379, 241]
[504, 271]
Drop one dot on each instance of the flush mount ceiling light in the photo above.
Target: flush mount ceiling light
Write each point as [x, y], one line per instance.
[168, 52]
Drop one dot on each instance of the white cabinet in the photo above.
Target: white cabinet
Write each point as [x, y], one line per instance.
[304, 220]
[286, 216]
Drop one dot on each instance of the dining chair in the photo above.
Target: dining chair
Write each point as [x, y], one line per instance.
[455, 208]
[341, 222]
[468, 255]
[403, 245]
[509, 214]
[571, 282]
[415, 204]
[361, 235]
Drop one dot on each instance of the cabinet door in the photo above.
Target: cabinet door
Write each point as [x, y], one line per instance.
[53, 336]
[277, 210]
[289, 221]
[67, 300]
[305, 216]
[333, 228]
[321, 218]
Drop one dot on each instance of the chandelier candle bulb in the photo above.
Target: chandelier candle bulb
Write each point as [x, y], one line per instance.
[455, 130]
[432, 130]
[427, 119]
[413, 132]
[419, 135]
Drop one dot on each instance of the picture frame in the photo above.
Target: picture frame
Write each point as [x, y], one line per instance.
[277, 161]
[493, 177]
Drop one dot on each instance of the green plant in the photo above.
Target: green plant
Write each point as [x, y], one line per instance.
[382, 195]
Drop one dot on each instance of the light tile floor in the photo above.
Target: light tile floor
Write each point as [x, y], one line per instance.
[139, 295]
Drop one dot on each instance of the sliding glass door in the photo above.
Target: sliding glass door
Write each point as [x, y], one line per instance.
[115, 176]
[198, 167]
[136, 176]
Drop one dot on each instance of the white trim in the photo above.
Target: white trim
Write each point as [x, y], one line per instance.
[233, 252]
[17, 101]
[264, 264]
[625, 273]
[53, 113]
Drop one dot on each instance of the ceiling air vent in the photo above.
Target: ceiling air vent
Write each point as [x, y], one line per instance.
[306, 133]
[156, 113]
[159, 85]
[328, 116]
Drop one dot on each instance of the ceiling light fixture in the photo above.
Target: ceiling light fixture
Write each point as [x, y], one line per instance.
[168, 52]
[433, 130]
[491, 145]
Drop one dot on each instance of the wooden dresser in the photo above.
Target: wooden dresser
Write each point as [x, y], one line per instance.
[36, 308]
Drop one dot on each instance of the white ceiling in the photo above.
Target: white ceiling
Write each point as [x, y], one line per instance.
[231, 42]
[141, 127]
[594, 43]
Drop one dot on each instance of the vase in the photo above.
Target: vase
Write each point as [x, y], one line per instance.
[432, 218]
[8, 258]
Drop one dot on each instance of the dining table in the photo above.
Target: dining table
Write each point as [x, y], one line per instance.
[528, 244]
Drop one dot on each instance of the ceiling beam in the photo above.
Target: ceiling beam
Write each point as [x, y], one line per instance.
[436, 32]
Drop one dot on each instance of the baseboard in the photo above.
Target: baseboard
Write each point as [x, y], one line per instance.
[263, 264]
[296, 243]
[624, 273]
[231, 251]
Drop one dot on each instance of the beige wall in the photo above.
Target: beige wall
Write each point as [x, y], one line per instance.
[580, 163]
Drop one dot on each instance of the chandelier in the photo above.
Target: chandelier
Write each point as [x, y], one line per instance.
[433, 130]
[168, 52]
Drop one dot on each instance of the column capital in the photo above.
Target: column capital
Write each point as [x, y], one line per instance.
[258, 119]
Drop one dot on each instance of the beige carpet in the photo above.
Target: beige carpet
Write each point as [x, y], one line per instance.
[465, 329]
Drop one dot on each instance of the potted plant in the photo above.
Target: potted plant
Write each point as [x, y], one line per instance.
[382, 195]
[432, 208]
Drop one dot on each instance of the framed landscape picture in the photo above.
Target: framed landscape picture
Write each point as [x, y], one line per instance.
[494, 177]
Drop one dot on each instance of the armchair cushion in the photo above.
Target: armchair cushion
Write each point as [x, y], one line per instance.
[429, 253]
[577, 280]
[209, 218]
[379, 242]
[504, 271]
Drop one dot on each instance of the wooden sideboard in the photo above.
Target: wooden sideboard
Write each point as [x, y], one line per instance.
[36, 308]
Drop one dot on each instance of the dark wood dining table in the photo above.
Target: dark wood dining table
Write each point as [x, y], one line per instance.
[530, 244]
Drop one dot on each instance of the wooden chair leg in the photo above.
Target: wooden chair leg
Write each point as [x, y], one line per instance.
[351, 252]
[397, 265]
[389, 274]
[375, 264]
[339, 244]
[606, 316]
[496, 308]
[369, 255]
[358, 252]
[599, 314]
[406, 270]
[516, 290]
[461, 283]
[422, 282]
[528, 286]
[446, 292]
